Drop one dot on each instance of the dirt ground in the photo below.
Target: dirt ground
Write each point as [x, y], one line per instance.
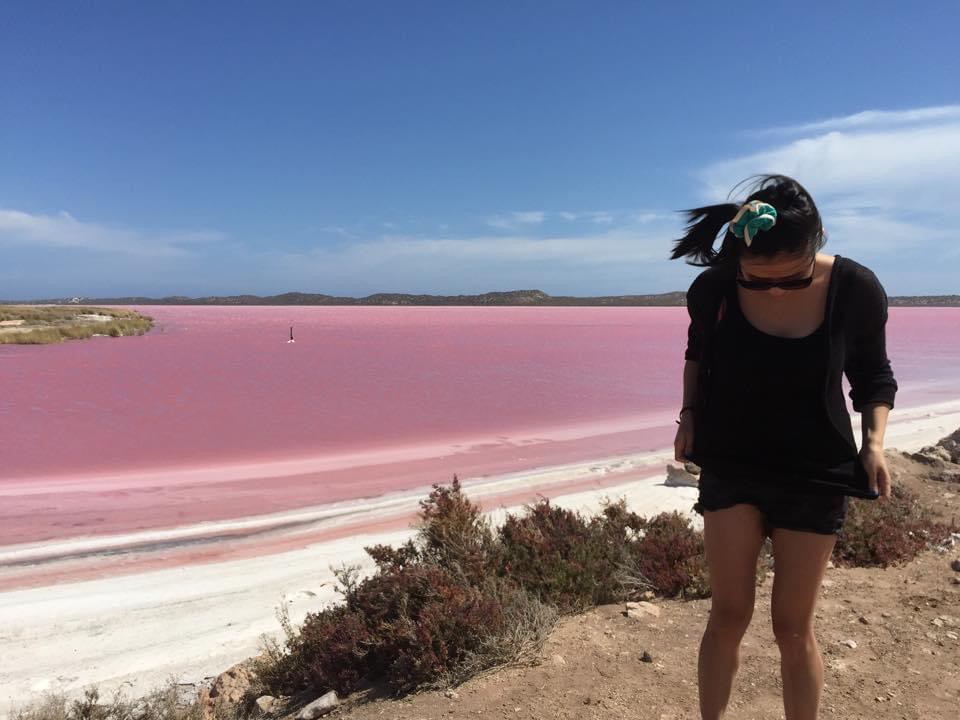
[903, 620]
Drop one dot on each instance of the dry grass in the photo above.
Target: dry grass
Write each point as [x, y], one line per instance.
[163, 703]
[42, 325]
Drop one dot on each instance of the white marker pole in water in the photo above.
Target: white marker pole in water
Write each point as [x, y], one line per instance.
[291, 335]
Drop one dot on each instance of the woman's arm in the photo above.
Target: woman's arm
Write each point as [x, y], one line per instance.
[683, 441]
[867, 366]
[873, 422]
[690, 368]
[872, 385]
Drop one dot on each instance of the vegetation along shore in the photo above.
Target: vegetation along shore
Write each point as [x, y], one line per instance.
[38, 325]
[556, 615]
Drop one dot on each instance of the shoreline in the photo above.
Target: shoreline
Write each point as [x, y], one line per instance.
[60, 559]
[66, 635]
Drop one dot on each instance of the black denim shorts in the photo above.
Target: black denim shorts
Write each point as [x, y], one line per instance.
[782, 507]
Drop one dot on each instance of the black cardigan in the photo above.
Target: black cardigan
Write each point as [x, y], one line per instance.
[855, 316]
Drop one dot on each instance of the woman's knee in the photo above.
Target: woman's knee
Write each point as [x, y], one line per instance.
[730, 618]
[793, 633]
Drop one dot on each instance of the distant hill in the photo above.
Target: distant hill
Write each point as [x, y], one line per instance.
[926, 300]
[510, 297]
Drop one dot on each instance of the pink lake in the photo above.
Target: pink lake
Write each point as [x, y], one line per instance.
[114, 434]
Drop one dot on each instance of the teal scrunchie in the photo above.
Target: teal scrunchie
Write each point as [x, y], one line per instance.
[753, 217]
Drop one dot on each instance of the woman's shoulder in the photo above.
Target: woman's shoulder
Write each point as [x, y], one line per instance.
[861, 291]
[711, 277]
[858, 279]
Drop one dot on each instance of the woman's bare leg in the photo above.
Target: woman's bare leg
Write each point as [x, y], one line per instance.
[800, 559]
[732, 541]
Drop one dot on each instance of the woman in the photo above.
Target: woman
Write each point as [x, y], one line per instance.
[774, 324]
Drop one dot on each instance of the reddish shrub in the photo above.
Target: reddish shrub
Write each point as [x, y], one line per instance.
[454, 534]
[334, 649]
[404, 627]
[424, 620]
[327, 651]
[887, 532]
[669, 556]
[462, 597]
[561, 558]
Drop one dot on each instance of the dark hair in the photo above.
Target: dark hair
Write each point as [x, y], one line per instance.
[798, 228]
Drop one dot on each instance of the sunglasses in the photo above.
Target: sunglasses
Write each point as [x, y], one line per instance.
[796, 284]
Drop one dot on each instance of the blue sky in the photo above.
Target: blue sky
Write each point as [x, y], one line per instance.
[459, 147]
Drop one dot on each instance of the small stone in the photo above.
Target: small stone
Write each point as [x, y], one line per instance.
[646, 657]
[864, 620]
[265, 703]
[951, 635]
[830, 565]
[679, 477]
[937, 621]
[642, 609]
[955, 565]
[884, 614]
[557, 659]
[321, 706]
[827, 583]
[452, 694]
[852, 644]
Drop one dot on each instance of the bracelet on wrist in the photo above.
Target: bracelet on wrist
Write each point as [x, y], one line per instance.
[680, 414]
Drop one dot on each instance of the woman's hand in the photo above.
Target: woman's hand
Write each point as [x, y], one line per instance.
[683, 442]
[875, 464]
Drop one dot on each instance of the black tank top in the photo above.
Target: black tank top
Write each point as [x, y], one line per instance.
[765, 419]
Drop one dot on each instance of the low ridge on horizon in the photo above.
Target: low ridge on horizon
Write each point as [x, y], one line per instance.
[505, 297]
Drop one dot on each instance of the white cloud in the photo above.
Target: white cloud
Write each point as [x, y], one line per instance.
[867, 231]
[630, 258]
[609, 217]
[874, 118]
[879, 189]
[36, 231]
[601, 218]
[517, 219]
[646, 217]
[622, 249]
[613, 246]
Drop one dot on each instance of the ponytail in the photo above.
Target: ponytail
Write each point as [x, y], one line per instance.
[703, 226]
[798, 228]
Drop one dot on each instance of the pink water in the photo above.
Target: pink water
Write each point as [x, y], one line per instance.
[371, 399]
[222, 383]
